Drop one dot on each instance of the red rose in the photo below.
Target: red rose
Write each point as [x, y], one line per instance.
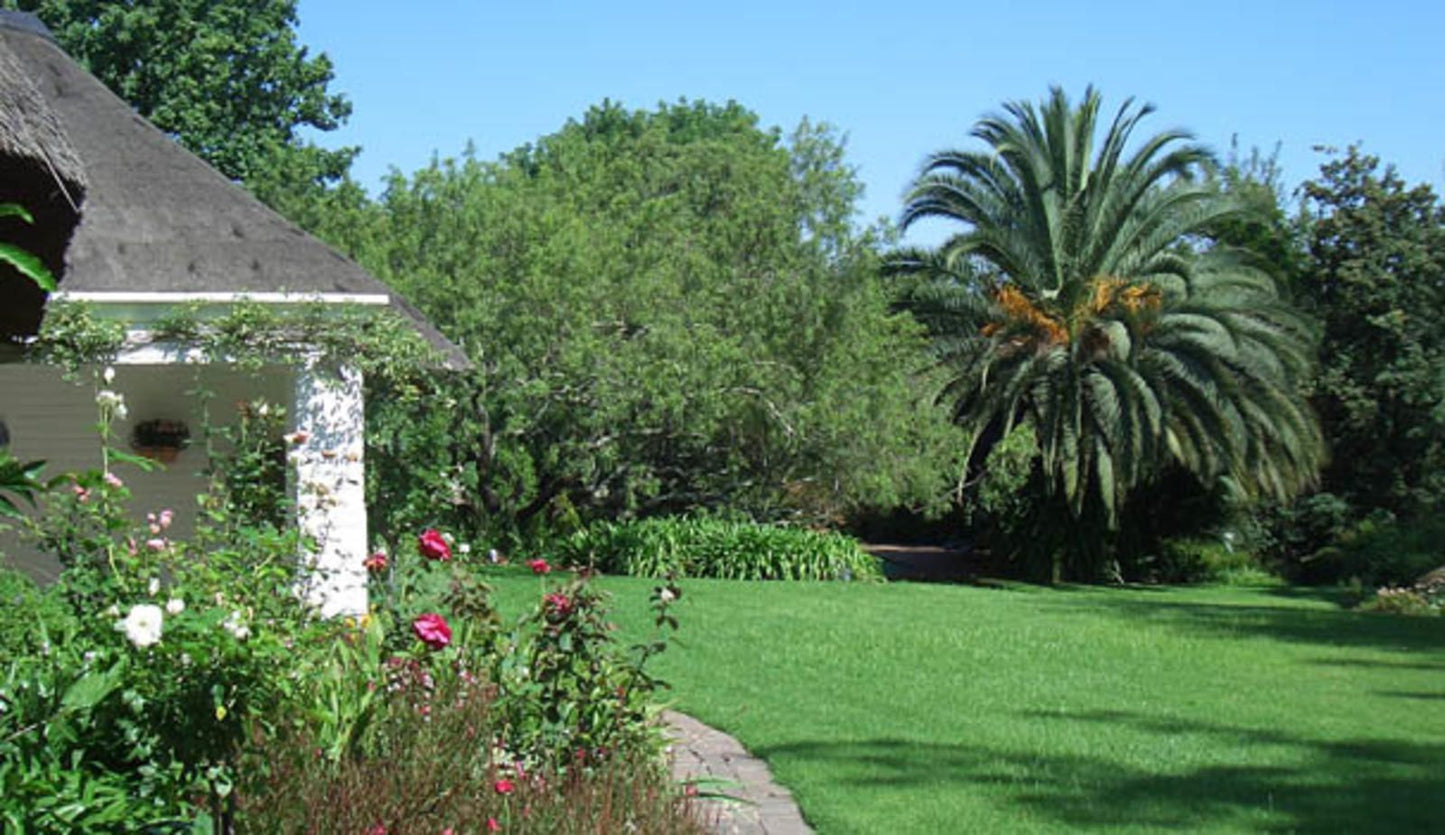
[433, 631]
[376, 563]
[493, 826]
[434, 546]
[558, 604]
[504, 786]
[539, 566]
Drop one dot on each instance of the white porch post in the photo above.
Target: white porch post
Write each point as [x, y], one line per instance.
[329, 487]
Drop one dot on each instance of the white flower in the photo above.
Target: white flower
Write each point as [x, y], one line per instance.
[113, 611]
[465, 547]
[153, 587]
[666, 595]
[175, 606]
[108, 375]
[143, 625]
[235, 624]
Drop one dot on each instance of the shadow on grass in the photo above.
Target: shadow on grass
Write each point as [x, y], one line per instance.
[1327, 594]
[1285, 623]
[1357, 786]
[1372, 663]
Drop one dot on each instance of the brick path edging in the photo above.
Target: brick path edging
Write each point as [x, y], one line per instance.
[759, 806]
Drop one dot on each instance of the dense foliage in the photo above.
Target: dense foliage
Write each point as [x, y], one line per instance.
[1075, 301]
[1376, 278]
[668, 310]
[729, 550]
[150, 689]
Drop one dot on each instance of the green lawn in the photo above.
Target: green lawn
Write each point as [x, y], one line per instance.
[933, 708]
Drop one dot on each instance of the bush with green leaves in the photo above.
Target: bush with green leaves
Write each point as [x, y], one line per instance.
[565, 693]
[710, 547]
[1381, 552]
[1206, 560]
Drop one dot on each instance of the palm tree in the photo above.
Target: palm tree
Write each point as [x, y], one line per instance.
[1082, 297]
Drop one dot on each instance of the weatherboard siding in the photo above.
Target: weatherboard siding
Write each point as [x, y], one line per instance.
[53, 420]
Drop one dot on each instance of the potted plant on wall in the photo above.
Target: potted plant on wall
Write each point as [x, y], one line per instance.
[160, 439]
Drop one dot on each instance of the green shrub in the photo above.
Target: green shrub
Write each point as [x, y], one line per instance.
[707, 547]
[1199, 560]
[1382, 553]
[28, 616]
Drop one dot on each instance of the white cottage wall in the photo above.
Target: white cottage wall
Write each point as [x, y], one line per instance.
[53, 420]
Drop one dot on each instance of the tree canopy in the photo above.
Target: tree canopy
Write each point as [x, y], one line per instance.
[669, 310]
[1076, 300]
[1375, 275]
[227, 79]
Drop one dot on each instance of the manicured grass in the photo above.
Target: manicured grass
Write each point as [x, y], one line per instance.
[933, 708]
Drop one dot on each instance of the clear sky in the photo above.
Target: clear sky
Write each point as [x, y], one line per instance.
[899, 79]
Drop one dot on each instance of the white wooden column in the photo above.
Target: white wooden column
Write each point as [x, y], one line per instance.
[329, 485]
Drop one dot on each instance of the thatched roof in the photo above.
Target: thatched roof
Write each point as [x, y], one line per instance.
[30, 131]
[158, 219]
[40, 171]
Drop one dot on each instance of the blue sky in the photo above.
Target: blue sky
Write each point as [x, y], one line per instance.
[900, 79]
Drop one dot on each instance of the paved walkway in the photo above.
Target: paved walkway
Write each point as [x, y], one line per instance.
[755, 805]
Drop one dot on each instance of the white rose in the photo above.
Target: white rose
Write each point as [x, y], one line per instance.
[236, 625]
[143, 625]
[175, 606]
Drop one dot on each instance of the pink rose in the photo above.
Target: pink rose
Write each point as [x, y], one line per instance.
[504, 786]
[433, 546]
[432, 629]
[375, 563]
[114, 480]
[493, 826]
[539, 566]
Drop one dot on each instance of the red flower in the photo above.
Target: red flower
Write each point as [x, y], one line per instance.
[493, 826]
[539, 566]
[433, 631]
[376, 563]
[434, 546]
[504, 786]
[558, 604]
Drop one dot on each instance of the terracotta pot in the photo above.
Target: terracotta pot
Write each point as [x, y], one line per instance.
[163, 454]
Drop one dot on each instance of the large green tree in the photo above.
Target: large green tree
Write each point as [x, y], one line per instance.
[225, 77]
[668, 310]
[1075, 299]
[1375, 275]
